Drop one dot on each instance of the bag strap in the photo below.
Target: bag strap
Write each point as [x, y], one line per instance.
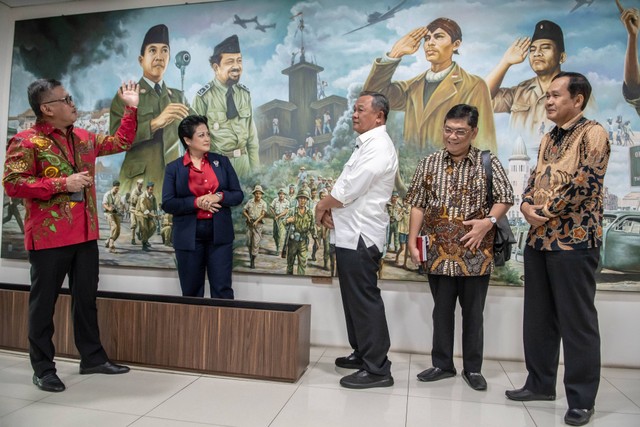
[486, 162]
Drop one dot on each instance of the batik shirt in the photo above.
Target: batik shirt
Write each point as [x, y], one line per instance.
[40, 159]
[451, 193]
[568, 182]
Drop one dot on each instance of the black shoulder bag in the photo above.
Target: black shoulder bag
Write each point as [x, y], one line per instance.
[505, 239]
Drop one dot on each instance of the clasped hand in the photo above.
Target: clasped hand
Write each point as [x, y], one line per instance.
[209, 202]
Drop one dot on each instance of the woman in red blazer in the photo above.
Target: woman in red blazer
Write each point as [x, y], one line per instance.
[199, 190]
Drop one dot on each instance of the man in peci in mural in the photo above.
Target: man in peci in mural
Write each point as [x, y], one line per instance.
[426, 98]
[526, 101]
[227, 105]
[159, 113]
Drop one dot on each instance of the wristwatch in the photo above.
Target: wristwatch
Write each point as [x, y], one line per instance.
[492, 219]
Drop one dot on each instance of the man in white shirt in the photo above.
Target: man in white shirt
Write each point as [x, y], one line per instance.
[355, 211]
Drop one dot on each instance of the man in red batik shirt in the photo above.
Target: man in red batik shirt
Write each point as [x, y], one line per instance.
[52, 167]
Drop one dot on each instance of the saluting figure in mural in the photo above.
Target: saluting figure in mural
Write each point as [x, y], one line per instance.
[426, 98]
[227, 105]
[160, 110]
[526, 101]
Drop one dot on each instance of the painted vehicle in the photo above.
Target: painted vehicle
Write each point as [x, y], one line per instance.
[620, 249]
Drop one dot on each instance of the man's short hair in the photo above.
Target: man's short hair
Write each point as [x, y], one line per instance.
[578, 85]
[115, 183]
[379, 102]
[37, 91]
[449, 26]
[464, 111]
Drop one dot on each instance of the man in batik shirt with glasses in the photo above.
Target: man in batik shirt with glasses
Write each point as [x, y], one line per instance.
[448, 198]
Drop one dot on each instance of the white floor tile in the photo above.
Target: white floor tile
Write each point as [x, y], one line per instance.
[629, 387]
[9, 404]
[134, 393]
[320, 407]
[452, 413]
[160, 422]
[10, 359]
[44, 414]
[549, 417]
[227, 402]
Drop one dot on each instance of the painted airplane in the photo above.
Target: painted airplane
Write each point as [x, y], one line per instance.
[264, 28]
[243, 22]
[581, 3]
[375, 17]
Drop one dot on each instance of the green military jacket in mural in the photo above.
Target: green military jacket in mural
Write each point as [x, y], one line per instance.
[150, 152]
[235, 138]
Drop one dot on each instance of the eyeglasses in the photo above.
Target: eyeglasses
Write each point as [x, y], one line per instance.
[67, 100]
[459, 132]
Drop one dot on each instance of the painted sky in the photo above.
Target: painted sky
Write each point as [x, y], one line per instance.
[595, 41]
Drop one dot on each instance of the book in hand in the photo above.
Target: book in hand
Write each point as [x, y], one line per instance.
[422, 243]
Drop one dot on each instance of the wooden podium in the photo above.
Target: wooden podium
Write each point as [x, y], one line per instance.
[226, 337]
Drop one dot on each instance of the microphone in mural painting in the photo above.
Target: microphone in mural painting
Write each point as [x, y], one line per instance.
[183, 58]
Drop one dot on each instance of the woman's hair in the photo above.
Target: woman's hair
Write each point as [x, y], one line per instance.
[187, 127]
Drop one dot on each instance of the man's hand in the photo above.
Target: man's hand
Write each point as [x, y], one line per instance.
[327, 220]
[530, 215]
[174, 111]
[479, 228]
[130, 93]
[518, 51]
[408, 44]
[78, 181]
[631, 20]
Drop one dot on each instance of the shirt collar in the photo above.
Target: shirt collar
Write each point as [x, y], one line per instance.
[369, 135]
[152, 83]
[571, 123]
[186, 160]
[47, 128]
[472, 155]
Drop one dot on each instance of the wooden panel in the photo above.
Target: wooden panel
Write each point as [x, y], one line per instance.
[249, 342]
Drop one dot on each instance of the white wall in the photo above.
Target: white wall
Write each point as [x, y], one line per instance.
[408, 304]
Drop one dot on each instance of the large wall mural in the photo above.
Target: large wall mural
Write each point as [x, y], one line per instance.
[302, 65]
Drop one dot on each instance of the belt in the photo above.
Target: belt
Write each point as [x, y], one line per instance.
[235, 153]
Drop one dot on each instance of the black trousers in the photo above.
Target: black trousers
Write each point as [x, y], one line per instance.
[48, 270]
[559, 294]
[214, 260]
[471, 291]
[367, 328]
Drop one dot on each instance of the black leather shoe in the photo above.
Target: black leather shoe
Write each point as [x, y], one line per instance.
[524, 395]
[50, 382]
[364, 379]
[475, 380]
[435, 374]
[350, 362]
[106, 368]
[578, 417]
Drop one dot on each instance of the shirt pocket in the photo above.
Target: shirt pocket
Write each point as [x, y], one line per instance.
[519, 107]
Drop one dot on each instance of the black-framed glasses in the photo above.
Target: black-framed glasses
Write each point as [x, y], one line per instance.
[459, 132]
[67, 100]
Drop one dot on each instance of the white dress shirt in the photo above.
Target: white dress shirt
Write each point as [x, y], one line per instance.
[364, 187]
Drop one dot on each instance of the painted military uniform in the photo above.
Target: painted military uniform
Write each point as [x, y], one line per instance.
[396, 212]
[302, 226]
[133, 205]
[151, 151]
[254, 210]
[146, 212]
[280, 209]
[235, 138]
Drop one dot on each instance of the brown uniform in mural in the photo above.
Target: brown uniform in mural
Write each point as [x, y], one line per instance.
[427, 98]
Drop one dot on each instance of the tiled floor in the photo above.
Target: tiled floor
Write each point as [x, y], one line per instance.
[153, 398]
